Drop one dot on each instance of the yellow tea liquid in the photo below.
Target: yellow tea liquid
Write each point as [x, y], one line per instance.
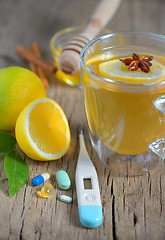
[124, 117]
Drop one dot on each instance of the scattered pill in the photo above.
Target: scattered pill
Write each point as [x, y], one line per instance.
[46, 190]
[40, 179]
[63, 179]
[65, 198]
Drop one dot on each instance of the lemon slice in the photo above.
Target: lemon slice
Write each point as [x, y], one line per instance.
[42, 130]
[115, 69]
[99, 57]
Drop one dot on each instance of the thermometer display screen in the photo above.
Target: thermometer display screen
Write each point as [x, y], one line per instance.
[87, 183]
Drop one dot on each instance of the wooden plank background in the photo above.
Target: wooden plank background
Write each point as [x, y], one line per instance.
[133, 208]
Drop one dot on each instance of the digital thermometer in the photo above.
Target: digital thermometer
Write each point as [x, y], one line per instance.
[87, 188]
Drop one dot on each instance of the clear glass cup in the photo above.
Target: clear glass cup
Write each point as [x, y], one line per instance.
[125, 119]
[56, 44]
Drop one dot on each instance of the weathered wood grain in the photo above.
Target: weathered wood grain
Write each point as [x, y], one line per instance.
[133, 207]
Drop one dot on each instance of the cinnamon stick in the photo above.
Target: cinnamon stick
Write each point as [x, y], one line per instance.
[28, 55]
[32, 66]
[39, 70]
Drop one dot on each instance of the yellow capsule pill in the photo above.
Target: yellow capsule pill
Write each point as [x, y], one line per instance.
[46, 190]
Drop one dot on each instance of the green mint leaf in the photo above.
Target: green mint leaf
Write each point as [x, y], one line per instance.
[7, 142]
[16, 170]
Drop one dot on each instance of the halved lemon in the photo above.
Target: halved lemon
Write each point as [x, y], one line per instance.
[115, 69]
[42, 130]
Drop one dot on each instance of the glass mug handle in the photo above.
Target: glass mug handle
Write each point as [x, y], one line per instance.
[158, 146]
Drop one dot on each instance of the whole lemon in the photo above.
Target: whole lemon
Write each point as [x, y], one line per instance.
[18, 87]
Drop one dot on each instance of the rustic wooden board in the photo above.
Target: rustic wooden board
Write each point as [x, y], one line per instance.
[133, 207]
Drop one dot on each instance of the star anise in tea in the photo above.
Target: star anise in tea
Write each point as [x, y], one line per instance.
[136, 62]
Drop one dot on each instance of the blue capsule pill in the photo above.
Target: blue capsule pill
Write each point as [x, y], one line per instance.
[40, 179]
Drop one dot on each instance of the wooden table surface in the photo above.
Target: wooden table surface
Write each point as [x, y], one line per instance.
[133, 207]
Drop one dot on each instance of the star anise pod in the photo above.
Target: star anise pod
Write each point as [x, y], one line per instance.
[136, 62]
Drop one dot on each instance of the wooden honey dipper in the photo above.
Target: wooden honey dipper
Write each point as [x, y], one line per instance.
[69, 58]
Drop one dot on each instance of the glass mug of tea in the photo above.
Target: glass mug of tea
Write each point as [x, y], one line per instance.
[123, 82]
